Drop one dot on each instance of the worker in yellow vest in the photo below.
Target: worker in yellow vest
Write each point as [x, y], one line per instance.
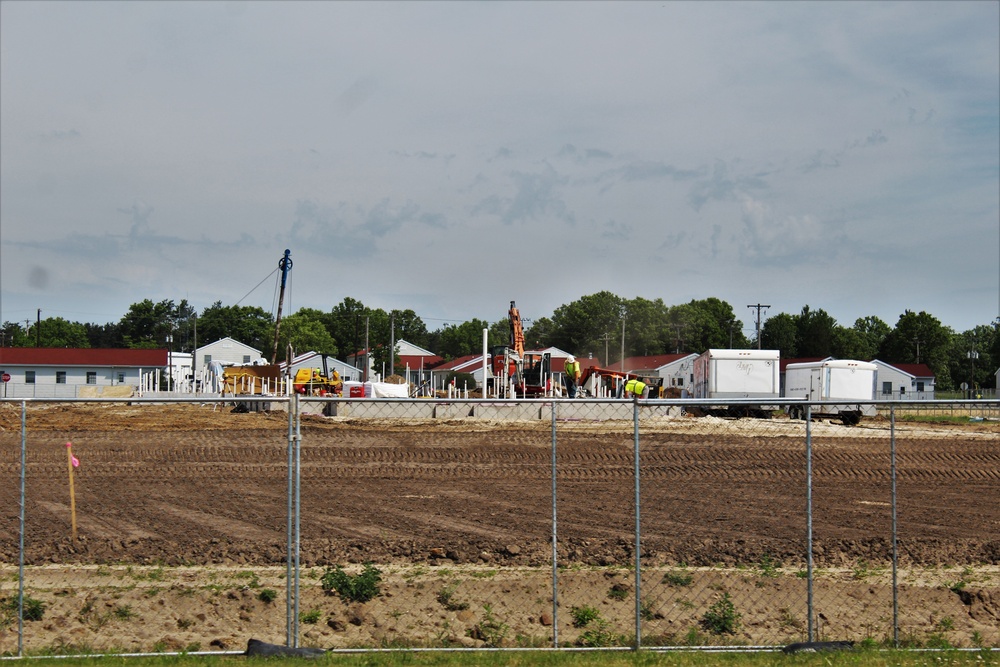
[572, 378]
[636, 388]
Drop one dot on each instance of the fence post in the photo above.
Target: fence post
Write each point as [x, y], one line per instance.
[555, 523]
[638, 546]
[809, 525]
[290, 632]
[298, 513]
[895, 553]
[20, 556]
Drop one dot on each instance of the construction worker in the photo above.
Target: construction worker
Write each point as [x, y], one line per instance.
[636, 388]
[572, 375]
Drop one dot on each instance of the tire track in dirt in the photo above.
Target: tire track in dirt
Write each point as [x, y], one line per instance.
[390, 462]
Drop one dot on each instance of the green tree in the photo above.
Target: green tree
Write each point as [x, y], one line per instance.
[872, 332]
[147, 324]
[14, 335]
[539, 333]
[814, 333]
[920, 338]
[580, 326]
[644, 328]
[500, 333]
[780, 333]
[104, 335]
[457, 340]
[976, 373]
[848, 344]
[347, 325]
[57, 332]
[305, 333]
[706, 324]
[410, 327]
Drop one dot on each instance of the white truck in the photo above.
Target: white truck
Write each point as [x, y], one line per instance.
[728, 374]
[832, 380]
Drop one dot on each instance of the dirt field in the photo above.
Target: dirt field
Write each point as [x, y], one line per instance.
[181, 486]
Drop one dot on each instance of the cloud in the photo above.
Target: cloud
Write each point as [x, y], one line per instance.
[723, 187]
[355, 96]
[618, 231]
[769, 238]
[536, 197]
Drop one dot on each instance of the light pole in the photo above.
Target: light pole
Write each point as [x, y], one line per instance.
[973, 355]
[170, 361]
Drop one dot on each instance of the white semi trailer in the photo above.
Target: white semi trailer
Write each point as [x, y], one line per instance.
[832, 380]
[721, 375]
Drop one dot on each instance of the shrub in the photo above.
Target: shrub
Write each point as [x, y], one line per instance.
[447, 598]
[722, 617]
[583, 615]
[599, 635]
[311, 617]
[352, 588]
[490, 630]
[678, 579]
[34, 609]
[462, 380]
[267, 595]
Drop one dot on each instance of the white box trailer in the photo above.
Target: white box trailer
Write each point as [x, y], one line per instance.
[729, 374]
[833, 380]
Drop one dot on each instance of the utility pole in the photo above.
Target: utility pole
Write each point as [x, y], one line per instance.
[38, 329]
[759, 307]
[392, 343]
[606, 338]
[285, 264]
[917, 341]
[623, 345]
[973, 355]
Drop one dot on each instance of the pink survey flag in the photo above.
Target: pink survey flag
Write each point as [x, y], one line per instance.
[75, 461]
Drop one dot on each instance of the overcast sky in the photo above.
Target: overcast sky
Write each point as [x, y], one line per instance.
[450, 157]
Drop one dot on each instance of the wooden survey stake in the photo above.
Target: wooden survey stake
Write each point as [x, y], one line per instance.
[71, 462]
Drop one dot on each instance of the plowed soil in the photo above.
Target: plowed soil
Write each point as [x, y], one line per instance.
[197, 485]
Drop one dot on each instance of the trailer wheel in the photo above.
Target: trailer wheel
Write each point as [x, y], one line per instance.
[850, 418]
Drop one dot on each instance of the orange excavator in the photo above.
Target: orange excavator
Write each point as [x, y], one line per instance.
[525, 375]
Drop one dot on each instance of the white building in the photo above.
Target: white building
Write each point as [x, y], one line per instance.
[904, 381]
[228, 352]
[58, 372]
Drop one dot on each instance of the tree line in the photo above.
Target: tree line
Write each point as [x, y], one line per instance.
[601, 325]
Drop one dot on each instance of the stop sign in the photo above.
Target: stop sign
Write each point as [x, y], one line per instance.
[5, 377]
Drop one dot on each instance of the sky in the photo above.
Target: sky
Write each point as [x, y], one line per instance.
[451, 157]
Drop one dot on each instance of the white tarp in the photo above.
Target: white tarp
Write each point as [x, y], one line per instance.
[375, 390]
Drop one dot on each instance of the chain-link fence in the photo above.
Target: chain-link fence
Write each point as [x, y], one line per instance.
[357, 523]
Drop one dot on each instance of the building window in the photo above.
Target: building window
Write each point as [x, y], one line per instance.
[121, 377]
[246, 358]
[208, 359]
[920, 386]
[886, 388]
[60, 377]
[91, 377]
[29, 377]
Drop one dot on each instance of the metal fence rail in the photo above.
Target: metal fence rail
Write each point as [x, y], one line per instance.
[358, 523]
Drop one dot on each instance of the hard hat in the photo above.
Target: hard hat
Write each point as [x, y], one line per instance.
[571, 358]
